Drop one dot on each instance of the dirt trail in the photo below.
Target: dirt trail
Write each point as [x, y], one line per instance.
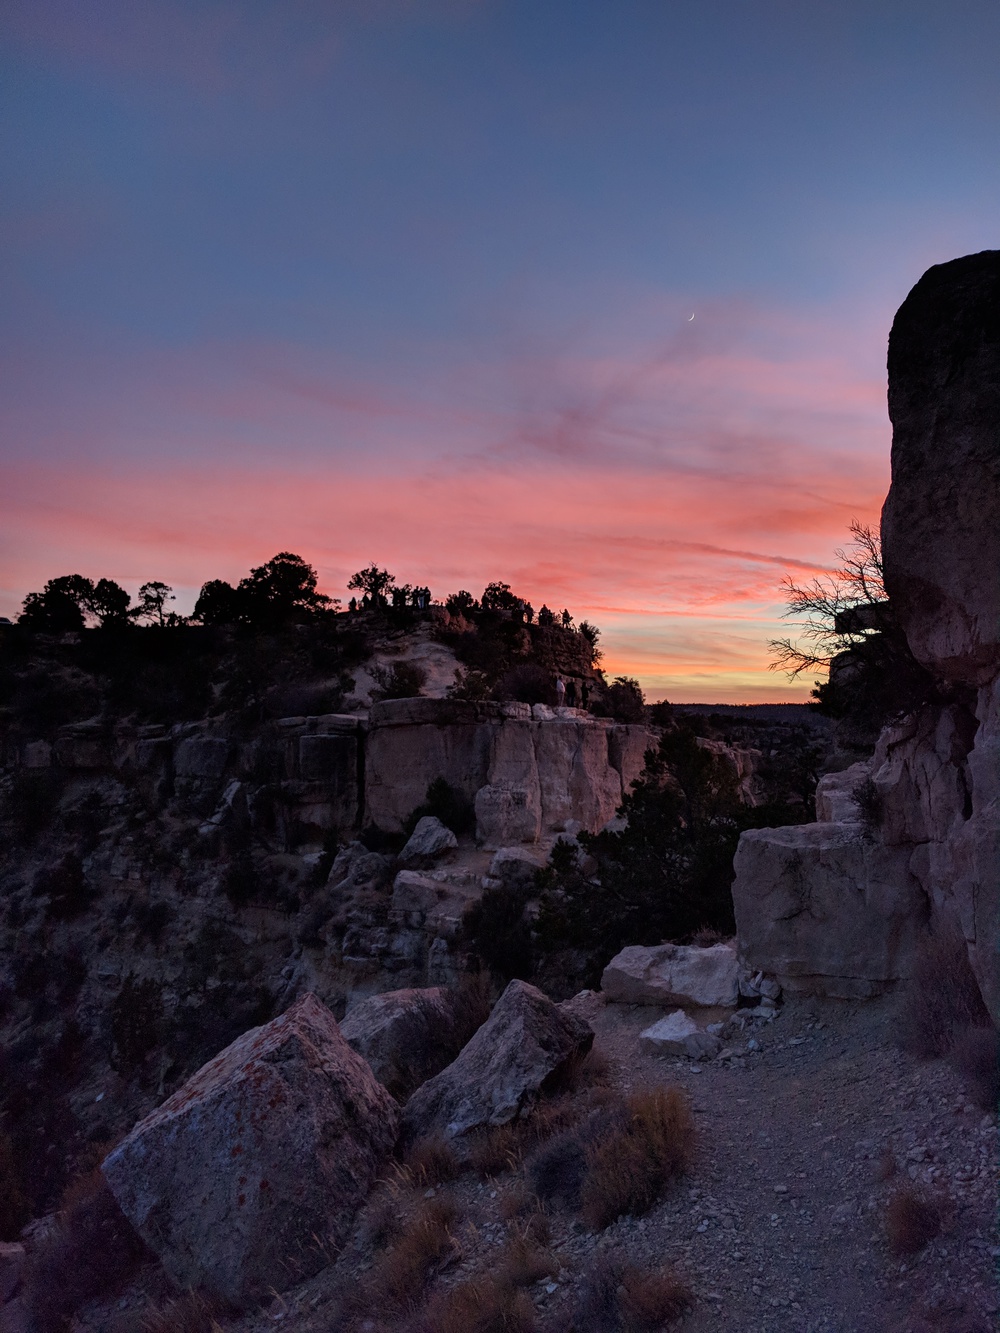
[781, 1226]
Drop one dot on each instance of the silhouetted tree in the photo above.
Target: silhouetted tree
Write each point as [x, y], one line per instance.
[65, 602]
[218, 603]
[275, 593]
[591, 633]
[153, 598]
[373, 582]
[461, 603]
[498, 597]
[624, 700]
[848, 626]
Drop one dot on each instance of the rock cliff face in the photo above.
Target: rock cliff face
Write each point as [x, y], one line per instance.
[529, 770]
[840, 906]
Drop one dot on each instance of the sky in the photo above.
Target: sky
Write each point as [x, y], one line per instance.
[588, 298]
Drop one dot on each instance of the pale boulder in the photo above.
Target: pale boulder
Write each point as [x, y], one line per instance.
[524, 1045]
[678, 1034]
[428, 841]
[268, 1149]
[672, 974]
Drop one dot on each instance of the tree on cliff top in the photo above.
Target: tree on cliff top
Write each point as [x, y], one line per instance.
[372, 582]
[283, 589]
[847, 626]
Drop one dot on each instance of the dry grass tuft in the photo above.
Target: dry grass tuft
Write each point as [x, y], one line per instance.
[912, 1219]
[629, 1169]
[525, 1262]
[494, 1152]
[192, 1312]
[401, 1274]
[432, 1161]
[942, 1000]
[484, 1305]
[381, 1221]
[472, 1000]
[620, 1298]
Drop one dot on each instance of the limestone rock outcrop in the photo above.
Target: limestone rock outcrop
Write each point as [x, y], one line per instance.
[678, 1034]
[672, 974]
[269, 1146]
[525, 1044]
[925, 855]
[429, 840]
[527, 770]
[404, 1035]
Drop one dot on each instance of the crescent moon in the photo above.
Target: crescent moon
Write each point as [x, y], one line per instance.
[692, 317]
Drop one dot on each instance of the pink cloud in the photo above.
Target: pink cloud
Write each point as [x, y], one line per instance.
[664, 499]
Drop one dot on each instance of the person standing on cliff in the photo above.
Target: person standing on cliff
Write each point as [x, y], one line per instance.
[560, 691]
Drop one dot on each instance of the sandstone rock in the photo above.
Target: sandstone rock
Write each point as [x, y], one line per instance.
[515, 867]
[432, 905]
[518, 1052]
[412, 742]
[355, 866]
[202, 758]
[406, 1036]
[678, 1034]
[429, 840]
[835, 802]
[824, 910]
[505, 815]
[672, 974]
[941, 520]
[271, 1145]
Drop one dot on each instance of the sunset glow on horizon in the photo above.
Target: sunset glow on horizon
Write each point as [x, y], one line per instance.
[412, 283]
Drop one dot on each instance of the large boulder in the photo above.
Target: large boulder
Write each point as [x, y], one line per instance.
[428, 841]
[672, 974]
[406, 1036]
[941, 520]
[249, 1175]
[826, 909]
[522, 1048]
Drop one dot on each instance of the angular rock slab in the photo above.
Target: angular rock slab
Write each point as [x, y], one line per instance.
[404, 1035]
[825, 911]
[678, 1034]
[429, 840]
[673, 974]
[273, 1143]
[523, 1046]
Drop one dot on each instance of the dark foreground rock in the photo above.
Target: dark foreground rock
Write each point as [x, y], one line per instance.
[518, 1052]
[406, 1036]
[249, 1175]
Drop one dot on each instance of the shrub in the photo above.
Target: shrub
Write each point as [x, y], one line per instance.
[976, 1056]
[868, 800]
[620, 1298]
[135, 1024]
[403, 680]
[66, 888]
[526, 683]
[942, 1000]
[629, 1169]
[912, 1219]
[557, 1170]
[495, 929]
[92, 1252]
[447, 803]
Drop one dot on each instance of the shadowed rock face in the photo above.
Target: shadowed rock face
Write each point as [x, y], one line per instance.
[941, 521]
[841, 906]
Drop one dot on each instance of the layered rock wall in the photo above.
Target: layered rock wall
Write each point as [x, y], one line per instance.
[910, 842]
